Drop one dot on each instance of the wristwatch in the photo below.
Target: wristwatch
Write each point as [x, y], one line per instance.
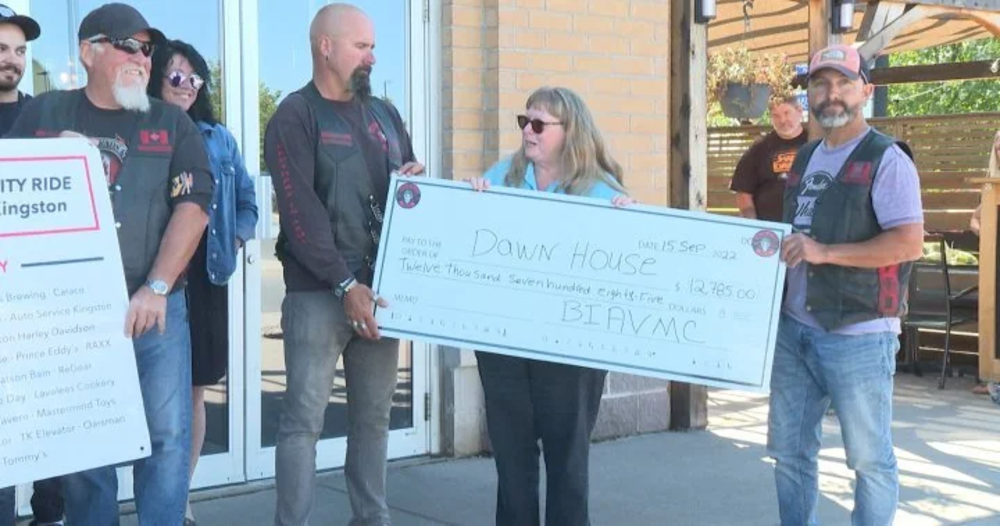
[344, 287]
[158, 286]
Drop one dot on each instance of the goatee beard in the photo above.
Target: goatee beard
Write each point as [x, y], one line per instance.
[361, 82]
[132, 97]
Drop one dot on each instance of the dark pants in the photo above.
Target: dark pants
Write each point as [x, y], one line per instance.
[528, 400]
[47, 501]
[7, 506]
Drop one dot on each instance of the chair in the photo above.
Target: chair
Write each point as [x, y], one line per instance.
[934, 306]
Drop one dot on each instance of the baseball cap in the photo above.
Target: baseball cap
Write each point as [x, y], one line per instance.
[842, 58]
[115, 20]
[26, 23]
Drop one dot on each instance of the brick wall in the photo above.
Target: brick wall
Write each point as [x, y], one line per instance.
[615, 54]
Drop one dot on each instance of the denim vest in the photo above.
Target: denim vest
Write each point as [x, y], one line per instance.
[233, 214]
[343, 183]
[140, 197]
[844, 213]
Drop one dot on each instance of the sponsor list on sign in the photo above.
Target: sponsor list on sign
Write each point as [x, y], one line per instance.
[67, 372]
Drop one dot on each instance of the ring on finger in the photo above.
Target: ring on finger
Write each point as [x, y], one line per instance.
[364, 326]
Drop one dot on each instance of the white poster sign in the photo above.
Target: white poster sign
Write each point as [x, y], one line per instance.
[69, 392]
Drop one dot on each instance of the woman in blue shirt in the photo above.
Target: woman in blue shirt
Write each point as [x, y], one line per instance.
[530, 400]
[180, 76]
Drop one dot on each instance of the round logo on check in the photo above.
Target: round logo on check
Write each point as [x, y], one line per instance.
[408, 195]
[765, 243]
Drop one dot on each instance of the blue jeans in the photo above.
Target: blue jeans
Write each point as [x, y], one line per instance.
[812, 369]
[160, 480]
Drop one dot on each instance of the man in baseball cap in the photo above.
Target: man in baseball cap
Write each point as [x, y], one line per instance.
[159, 178]
[853, 200]
[15, 33]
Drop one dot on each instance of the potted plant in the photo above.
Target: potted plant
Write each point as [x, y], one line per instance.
[745, 82]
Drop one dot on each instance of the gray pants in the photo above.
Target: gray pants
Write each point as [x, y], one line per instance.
[316, 333]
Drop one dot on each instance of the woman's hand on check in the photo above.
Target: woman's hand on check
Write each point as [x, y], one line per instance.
[621, 201]
[480, 184]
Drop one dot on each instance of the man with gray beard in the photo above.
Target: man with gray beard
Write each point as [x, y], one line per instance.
[853, 199]
[160, 183]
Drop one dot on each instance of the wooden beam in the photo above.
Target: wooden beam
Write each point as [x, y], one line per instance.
[879, 40]
[980, 69]
[820, 36]
[983, 5]
[877, 16]
[688, 164]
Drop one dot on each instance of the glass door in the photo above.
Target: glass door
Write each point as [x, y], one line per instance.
[53, 64]
[282, 65]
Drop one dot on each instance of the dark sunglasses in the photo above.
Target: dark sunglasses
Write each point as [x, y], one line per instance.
[129, 45]
[176, 78]
[537, 125]
[6, 12]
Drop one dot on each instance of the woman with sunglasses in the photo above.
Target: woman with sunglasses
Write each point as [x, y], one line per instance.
[180, 76]
[530, 400]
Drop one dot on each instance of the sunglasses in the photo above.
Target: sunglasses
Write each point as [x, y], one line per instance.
[6, 12]
[537, 125]
[177, 78]
[128, 45]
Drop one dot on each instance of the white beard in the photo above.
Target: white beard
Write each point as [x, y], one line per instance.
[132, 98]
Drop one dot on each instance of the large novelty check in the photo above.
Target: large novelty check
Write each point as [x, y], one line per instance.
[644, 290]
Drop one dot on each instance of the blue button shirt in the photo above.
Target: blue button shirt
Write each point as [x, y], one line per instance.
[495, 175]
[233, 213]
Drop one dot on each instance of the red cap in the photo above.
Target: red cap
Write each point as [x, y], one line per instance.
[842, 58]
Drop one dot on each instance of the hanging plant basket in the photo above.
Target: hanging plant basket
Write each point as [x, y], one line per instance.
[744, 101]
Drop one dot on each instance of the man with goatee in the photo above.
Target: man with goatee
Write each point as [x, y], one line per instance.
[332, 134]
[160, 184]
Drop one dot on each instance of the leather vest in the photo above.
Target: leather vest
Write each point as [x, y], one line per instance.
[140, 196]
[343, 181]
[838, 296]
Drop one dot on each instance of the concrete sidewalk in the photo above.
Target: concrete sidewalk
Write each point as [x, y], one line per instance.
[948, 444]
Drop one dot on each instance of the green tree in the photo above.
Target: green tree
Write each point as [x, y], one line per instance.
[267, 104]
[949, 97]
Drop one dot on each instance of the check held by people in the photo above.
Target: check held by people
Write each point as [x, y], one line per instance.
[646, 290]
[69, 392]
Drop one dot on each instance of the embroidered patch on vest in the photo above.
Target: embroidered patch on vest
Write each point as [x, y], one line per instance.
[339, 139]
[858, 173]
[888, 290]
[156, 141]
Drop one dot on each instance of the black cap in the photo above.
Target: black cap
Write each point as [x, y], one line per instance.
[115, 21]
[26, 23]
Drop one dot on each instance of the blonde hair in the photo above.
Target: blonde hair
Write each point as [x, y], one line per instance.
[584, 156]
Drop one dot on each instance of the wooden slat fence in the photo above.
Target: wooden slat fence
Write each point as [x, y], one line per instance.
[947, 149]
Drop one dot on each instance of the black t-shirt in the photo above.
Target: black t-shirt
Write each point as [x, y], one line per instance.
[762, 172]
[9, 112]
[190, 172]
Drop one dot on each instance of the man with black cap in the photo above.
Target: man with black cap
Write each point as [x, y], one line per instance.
[160, 184]
[853, 200]
[15, 33]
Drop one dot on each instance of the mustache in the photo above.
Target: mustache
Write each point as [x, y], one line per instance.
[12, 67]
[825, 105]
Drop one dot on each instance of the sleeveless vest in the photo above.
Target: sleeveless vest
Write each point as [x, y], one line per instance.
[838, 296]
[344, 184]
[140, 197]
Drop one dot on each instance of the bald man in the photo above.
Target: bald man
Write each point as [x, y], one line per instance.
[330, 148]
